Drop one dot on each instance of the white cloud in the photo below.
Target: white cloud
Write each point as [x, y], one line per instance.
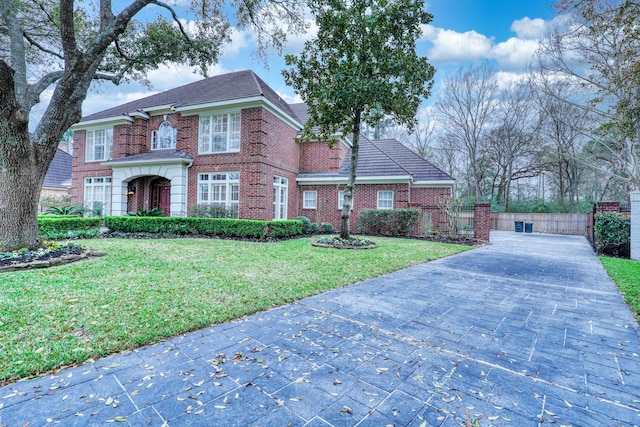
[527, 28]
[514, 53]
[289, 99]
[504, 78]
[295, 42]
[240, 39]
[451, 46]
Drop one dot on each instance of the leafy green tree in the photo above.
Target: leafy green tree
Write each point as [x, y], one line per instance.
[361, 67]
[66, 45]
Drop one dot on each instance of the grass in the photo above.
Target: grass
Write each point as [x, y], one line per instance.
[626, 275]
[144, 291]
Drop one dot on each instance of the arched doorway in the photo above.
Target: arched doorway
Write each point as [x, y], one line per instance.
[161, 195]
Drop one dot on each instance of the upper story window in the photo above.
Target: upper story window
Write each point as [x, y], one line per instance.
[164, 138]
[98, 143]
[219, 133]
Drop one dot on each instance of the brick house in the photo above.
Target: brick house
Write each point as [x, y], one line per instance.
[230, 141]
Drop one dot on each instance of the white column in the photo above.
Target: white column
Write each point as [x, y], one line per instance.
[118, 195]
[635, 225]
[179, 191]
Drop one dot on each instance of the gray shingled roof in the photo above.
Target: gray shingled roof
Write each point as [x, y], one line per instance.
[59, 173]
[387, 157]
[237, 85]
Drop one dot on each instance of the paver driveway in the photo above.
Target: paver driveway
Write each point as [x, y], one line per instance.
[527, 331]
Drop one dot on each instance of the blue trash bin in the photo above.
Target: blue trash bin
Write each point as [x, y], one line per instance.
[528, 227]
[519, 226]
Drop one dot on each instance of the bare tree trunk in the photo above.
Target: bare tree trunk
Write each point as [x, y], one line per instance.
[20, 178]
[20, 188]
[345, 219]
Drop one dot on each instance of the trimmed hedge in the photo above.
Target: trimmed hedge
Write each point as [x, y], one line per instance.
[612, 231]
[387, 222]
[57, 227]
[224, 227]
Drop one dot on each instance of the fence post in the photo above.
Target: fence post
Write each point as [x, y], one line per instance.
[635, 225]
[482, 221]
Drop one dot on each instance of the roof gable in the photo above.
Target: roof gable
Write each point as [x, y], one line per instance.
[224, 87]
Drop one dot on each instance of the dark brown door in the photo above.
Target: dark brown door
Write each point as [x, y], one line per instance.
[161, 196]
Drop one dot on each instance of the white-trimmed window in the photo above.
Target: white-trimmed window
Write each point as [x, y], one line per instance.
[97, 195]
[280, 197]
[164, 138]
[98, 143]
[341, 200]
[309, 199]
[219, 133]
[221, 189]
[385, 199]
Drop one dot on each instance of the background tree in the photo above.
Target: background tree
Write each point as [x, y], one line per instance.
[511, 144]
[68, 45]
[595, 50]
[467, 106]
[362, 67]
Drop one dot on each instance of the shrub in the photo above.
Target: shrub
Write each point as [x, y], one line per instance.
[326, 227]
[306, 224]
[150, 212]
[611, 230]
[397, 222]
[54, 227]
[64, 210]
[315, 228]
[223, 227]
[211, 211]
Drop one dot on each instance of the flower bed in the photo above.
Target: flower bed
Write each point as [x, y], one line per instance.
[48, 254]
[339, 243]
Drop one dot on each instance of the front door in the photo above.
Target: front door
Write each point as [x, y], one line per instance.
[161, 196]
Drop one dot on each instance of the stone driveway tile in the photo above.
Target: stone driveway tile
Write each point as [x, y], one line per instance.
[305, 400]
[527, 329]
[383, 373]
[345, 412]
[400, 407]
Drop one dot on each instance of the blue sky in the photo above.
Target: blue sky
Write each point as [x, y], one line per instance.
[463, 32]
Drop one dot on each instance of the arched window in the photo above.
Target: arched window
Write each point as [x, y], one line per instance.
[164, 138]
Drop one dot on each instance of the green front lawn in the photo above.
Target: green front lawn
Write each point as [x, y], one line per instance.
[626, 275]
[144, 291]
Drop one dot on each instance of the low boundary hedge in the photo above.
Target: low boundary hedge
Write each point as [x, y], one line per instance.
[223, 227]
[56, 227]
[387, 222]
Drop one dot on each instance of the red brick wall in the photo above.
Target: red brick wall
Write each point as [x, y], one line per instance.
[82, 169]
[366, 197]
[318, 157]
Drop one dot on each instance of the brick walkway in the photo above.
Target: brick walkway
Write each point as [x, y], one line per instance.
[524, 332]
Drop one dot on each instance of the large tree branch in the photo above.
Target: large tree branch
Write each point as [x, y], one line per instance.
[106, 14]
[16, 45]
[68, 31]
[34, 90]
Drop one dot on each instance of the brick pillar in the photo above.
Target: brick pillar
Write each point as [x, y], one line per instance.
[635, 225]
[602, 207]
[482, 221]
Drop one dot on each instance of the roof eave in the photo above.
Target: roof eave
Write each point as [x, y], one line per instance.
[115, 120]
[374, 179]
[123, 162]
